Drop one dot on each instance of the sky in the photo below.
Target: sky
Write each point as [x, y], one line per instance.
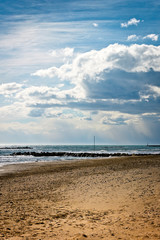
[71, 70]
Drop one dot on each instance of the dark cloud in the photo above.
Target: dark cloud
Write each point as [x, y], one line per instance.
[131, 107]
[36, 112]
[117, 121]
[118, 84]
[88, 119]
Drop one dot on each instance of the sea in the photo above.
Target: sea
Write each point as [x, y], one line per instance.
[6, 151]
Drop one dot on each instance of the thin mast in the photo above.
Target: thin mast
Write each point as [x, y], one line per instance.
[94, 143]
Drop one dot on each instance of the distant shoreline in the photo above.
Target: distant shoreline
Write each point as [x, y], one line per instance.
[15, 148]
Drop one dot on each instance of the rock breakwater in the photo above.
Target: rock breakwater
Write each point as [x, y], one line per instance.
[74, 154]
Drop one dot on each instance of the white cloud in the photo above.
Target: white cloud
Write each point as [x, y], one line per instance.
[153, 37]
[155, 90]
[14, 111]
[89, 65]
[114, 118]
[63, 53]
[95, 24]
[132, 21]
[116, 77]
[37, 91]
[8, 89]
[111, 79]
[132, 37]
[48, 95]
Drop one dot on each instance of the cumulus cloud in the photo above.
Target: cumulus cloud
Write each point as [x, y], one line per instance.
[44, 94]
[41, 92]
[134, 58]
[114, 78]
[155, 90]
[8, 89]
[153, 37]
[134, 37]
[132, 21]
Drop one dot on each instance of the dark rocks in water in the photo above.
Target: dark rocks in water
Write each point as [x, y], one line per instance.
[61, 154]
[76, 154]
[153, 145]
[73, 154]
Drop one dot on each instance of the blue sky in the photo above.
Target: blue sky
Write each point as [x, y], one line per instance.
[71, 70]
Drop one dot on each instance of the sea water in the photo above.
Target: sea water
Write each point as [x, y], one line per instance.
[7, 150]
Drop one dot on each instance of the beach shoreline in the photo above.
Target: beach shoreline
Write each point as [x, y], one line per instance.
[112, 198]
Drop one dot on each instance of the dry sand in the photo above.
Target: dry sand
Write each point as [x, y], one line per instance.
[116, 198]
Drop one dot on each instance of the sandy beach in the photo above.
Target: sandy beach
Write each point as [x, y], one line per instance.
[114, 198]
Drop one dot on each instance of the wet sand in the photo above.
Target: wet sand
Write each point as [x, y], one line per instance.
[115, 198]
